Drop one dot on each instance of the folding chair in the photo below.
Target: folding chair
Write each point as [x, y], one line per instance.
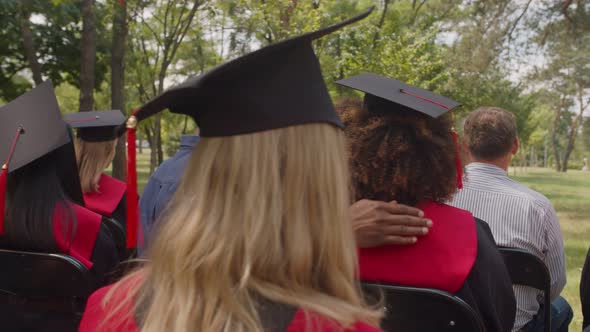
[527, 269]
[118, 234]
[412, 309]
[48, 290]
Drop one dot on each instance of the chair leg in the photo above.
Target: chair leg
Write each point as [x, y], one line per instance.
[547, 308]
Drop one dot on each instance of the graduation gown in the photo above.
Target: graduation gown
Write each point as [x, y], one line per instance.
[275, 317]
[92, 245]
[459, 256]
[110, 201]
[585, 291]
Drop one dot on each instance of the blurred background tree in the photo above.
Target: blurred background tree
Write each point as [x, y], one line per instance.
[529, 57]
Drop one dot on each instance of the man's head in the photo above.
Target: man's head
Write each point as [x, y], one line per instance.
[491, 134]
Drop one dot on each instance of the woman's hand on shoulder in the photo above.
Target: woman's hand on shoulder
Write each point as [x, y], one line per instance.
[377, 223]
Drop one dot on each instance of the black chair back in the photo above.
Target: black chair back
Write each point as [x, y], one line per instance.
[119, 236]
[42, 289]
[422, 309]
[527, 269]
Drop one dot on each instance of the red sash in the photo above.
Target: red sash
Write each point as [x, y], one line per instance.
[110, 193]
[123, 321]
[78, 242]
[442, 259]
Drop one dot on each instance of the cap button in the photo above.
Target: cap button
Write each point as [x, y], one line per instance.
[131, 122]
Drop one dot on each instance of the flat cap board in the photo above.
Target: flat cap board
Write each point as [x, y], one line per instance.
[37, 112]
[402, 94]
[96, 126]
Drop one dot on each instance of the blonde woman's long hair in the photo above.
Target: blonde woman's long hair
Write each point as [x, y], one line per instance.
[263, 214]
[93, 158]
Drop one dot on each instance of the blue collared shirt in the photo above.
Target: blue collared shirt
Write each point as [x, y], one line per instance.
[162, 185]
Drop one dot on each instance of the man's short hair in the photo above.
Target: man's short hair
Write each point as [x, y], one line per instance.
[490, 132]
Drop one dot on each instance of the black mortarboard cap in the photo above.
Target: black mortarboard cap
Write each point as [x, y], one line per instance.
[30, 128]
[43, 129]
[381, 93]
[277, 86]
[96, 126]
[403, 95]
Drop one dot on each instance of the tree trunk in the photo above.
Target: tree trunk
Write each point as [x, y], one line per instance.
[556, 116]
[88, 56]
[381, 21]
[150, 139]
[28, 42]
[118, 80]
[158, 136]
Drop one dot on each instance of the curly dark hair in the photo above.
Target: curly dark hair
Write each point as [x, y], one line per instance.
[399, 154]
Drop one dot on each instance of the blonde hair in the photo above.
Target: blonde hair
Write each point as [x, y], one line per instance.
[93, 158]
[263, 214]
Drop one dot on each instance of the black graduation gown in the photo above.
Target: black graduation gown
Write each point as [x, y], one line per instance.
[21, 318]
[585, 291]
[488, 288]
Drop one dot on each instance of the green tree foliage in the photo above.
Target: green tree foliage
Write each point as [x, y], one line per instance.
[56, 35]
[474, 51]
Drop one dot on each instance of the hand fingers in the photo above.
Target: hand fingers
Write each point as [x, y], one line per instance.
[396, 208]
[405, 220]
[402, 230]
[399, 240]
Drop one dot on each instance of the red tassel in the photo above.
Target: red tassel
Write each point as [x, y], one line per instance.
[458, 160]
[4, 174]
[2, 196]
[132, 198]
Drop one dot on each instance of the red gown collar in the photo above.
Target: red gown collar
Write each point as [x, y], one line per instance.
[442, 259]
[109, 197]
[77, 242]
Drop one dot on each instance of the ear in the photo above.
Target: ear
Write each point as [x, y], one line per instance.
[515, 146]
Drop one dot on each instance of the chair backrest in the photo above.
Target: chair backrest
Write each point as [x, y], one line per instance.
[118, 234]
[42, 291]
[526, 269]
[422, 309]
[37, 275]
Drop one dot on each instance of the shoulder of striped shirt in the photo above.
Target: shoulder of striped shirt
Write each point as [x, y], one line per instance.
[510, 187]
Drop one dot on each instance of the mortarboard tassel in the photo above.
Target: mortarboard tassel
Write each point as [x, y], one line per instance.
[457, 160]
[132, 198]
[2, 195]
[3, 176]
[458, 163]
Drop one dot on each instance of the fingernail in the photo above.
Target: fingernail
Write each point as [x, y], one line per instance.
[424, 230]
[429, 223]
[414, 240]
[421, 214]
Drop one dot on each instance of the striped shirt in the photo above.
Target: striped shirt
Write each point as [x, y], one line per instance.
[519, 217]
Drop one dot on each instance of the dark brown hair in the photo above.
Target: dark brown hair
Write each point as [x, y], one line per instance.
[490, 132]
[399, 154]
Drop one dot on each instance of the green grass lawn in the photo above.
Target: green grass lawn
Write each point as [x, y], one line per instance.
[570, 195]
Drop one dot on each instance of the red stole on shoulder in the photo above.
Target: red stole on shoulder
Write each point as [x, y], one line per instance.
[110, 193]
[79, 241]
[309, 321]
[123, 320]
[442, 259]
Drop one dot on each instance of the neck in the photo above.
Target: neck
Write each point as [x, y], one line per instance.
[502, 163]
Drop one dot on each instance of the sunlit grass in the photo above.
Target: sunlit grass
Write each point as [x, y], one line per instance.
[570, 195]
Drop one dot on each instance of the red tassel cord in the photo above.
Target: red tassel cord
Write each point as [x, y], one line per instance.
[458, 163]
[2, 196]
[4, 175]
[132, 197]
